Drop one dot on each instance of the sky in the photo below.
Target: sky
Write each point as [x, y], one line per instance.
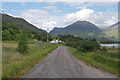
[61, 14]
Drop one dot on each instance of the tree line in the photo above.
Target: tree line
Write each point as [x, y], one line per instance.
[85, 45]
[11, 33]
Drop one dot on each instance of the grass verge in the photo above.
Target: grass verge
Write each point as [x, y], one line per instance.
[16, 64]
[97, 60]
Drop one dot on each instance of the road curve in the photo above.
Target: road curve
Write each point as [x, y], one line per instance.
[61, 64]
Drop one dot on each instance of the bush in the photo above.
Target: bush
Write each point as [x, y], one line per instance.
[84, 45]
[6, 35]
[22, 43]
[89, 46]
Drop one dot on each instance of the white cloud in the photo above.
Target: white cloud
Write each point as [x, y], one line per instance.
[83, 14]
[35, 14]
[74, 4]
[50, 7]
[42, 19]
[104, 18]
[99, 18]
[51, 25]
[37, 11]
[53, 8]
[39, 18]
[81, 5]
[84, 5]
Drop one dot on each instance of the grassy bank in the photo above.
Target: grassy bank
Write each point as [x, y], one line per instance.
[105, 61]
[16, 64]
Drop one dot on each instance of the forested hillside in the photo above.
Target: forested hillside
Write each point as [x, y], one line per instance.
[12, 27]
[10, 32]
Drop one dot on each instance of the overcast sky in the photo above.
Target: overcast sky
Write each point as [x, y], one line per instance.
[60, 14]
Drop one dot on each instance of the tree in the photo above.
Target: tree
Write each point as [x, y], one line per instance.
[5, 35]
[85, 45]
[22, 43]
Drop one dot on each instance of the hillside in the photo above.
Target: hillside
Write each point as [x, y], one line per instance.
[21, 24]
[112, 31]
[83, 29]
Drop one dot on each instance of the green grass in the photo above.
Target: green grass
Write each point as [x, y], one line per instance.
[16, 64]
[109, 53]
[98, 60]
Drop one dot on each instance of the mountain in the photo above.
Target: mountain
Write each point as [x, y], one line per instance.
[83, 29]
[116, 24]
[21, 24]
[112, 31]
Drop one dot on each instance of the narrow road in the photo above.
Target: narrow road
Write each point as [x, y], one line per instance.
[61, 64]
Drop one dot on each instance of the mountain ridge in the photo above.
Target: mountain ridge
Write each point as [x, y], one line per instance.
[21, 24]
[83, 29]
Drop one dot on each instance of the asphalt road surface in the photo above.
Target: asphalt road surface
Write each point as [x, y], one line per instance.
[61, 64]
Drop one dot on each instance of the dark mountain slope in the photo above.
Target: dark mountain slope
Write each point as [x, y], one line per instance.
[82, 29]
[21, 24]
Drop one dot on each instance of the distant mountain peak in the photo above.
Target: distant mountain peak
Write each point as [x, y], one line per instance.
[80, 28]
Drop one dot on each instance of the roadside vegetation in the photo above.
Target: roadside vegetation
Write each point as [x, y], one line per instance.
[90, 52]
[85, 45]
[22, 43]
[22, 50]
[16, 64]
[102, 60]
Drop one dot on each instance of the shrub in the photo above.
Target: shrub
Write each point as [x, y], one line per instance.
[85, 45]
[5, 35]
[22, 43]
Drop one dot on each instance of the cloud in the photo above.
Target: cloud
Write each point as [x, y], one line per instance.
[22, 3]
[53, 8]
[51, 25]
[40, 18]
[50, 7]
[99, 18]
[74, 4]
[83, 14]
[35, 14]
[104, 18]
[43, 20]
[84, 5]
[80, 5]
